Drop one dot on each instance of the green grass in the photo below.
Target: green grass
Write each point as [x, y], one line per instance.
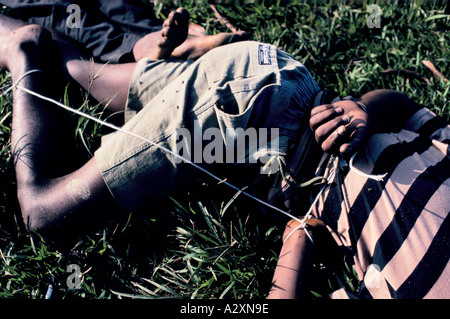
[212, 249]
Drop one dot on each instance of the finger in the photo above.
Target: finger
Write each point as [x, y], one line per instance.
[334, 141]
[321, 108]
[325, 130]
[359, 137]
[324, 114]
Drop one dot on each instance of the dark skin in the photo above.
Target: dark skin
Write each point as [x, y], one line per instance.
[291, 274]
[344, 127]
[43, 158]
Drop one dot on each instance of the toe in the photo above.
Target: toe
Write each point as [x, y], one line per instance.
[183, 17]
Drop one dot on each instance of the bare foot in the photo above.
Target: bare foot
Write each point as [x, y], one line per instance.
[174, 33]
[196, 30]
[173, 40]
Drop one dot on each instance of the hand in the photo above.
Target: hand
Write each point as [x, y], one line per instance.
[340, 128]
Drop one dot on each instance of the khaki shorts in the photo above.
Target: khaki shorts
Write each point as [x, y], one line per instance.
[243, 85]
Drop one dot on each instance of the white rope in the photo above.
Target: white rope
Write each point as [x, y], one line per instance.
[121, 130]
[20, 80]
[303, 222]
[378, 178]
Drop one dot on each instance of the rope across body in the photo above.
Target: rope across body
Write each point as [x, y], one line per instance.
[283, 164]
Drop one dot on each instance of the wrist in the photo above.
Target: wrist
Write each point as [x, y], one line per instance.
[294, 226]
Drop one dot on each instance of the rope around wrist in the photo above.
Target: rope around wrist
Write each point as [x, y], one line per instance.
[306, 223]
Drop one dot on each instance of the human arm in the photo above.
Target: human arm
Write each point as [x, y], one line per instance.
[346, 125]
[290, 280]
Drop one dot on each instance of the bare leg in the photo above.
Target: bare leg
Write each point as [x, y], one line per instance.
[50, 194]
[106, 83]
[195, 47]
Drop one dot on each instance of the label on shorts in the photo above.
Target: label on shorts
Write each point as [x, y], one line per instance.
[264, 54]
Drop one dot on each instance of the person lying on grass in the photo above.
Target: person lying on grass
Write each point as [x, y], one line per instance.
[389, 212]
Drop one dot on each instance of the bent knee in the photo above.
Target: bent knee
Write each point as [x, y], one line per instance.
[32, 36]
